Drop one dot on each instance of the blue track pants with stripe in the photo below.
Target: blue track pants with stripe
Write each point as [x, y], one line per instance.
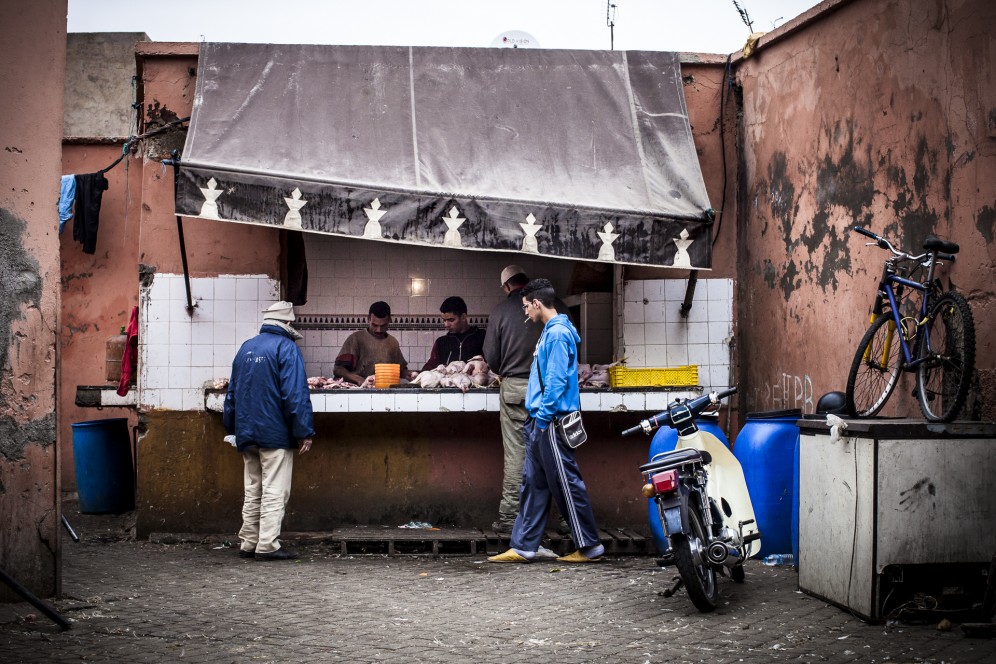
[550, 470]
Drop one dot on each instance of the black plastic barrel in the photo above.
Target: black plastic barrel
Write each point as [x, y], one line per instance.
[105, 479]
[766, 447]
[665, 440]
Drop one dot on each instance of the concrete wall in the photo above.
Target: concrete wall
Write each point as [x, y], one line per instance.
[100, 85]
[98, 290]
[444, 468]
[882, 113]
[32, 67]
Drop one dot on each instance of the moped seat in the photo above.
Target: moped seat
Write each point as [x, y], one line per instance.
[675, 458]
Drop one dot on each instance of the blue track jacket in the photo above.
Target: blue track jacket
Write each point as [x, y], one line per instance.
[556, 356]
[268, 403]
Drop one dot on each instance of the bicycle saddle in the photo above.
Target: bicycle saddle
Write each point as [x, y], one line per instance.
[934, 243]
[675, 458]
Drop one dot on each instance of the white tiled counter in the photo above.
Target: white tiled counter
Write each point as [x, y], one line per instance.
[478, 400]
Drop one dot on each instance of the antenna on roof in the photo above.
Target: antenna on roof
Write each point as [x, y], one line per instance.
[744, 16]
[610, 21]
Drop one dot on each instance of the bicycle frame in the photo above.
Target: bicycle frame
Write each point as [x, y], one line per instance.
[886, 285]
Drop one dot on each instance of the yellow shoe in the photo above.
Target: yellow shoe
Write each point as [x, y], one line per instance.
[578, 557]
[509, 556]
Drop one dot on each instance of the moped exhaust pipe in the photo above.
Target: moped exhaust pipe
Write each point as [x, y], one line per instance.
[720, 553]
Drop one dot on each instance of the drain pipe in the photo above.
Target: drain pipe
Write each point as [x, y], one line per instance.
[686, 305]
[174, 161]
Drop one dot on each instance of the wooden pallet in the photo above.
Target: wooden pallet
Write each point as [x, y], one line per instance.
[353, 540]
[359, 540]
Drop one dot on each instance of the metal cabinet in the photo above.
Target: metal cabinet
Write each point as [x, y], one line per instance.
[889, 495]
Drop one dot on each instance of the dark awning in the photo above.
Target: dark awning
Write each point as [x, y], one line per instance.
[571, 154]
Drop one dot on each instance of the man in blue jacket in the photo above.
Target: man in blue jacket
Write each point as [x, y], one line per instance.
[268, 409]
[550, 468]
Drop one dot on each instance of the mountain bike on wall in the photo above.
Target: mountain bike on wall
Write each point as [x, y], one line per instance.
[936, 340]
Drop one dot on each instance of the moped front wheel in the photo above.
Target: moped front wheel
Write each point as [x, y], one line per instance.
[696, 572]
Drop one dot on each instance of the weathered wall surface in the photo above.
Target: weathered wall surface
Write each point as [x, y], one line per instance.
[32, 67]
[881, 114]
[369, 468]
[100, 85]
[98, 290]
[168, 78]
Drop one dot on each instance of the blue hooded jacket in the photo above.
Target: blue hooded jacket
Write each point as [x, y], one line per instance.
[556, 356]
[268, 403]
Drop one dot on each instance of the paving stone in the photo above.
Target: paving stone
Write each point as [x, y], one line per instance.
[192, 602]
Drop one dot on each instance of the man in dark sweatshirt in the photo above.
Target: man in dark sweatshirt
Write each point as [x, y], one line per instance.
[462, 340]
[508, 349]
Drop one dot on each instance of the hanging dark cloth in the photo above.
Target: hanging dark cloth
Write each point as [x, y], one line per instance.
[129, 359]
[296, 269]
[90, 189]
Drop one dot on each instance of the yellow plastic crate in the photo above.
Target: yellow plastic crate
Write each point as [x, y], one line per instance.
[671, 377]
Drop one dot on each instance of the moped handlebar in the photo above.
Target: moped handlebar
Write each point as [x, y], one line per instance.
[689, 408]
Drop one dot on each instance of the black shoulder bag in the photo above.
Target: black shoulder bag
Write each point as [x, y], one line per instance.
[569, 428]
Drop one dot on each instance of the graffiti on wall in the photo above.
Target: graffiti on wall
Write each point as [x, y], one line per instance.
[784, 392]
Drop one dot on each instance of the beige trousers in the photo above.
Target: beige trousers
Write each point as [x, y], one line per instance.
[267, 488]
[512, 415]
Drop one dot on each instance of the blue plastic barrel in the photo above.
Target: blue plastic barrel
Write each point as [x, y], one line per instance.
[665, 440]
[766, 448]
[104, 477]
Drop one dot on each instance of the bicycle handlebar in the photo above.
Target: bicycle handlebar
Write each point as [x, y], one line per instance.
[694, 406]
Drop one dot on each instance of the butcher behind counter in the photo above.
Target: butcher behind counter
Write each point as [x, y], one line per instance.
[456, 360]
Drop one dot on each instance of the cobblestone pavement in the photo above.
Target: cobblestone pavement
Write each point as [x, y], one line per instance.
[145, 602]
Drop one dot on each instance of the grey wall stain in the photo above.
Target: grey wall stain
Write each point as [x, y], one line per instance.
[985, 221]
[16, 436]
[20, 284]
[915, 219]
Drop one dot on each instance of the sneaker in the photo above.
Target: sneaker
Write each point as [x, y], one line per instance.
[246, 554]
[279, 554]
[510, 556]
[502, 528]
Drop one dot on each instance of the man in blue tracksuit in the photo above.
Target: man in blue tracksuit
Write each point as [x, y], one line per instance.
[550, 468]
[268, 409]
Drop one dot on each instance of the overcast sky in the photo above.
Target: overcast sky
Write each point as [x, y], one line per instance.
[706, 26]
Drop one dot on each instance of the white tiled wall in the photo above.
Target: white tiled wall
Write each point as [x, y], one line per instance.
[345, 276]
[656, 335]
[178, 352]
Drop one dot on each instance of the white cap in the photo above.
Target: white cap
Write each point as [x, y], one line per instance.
[510, 272]
[280, 311]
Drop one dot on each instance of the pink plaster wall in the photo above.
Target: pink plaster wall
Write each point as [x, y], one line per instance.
[880, 113]
[168, 76]
[98, 290]
[32, 73]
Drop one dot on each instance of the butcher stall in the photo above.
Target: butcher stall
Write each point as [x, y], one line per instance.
[409, 175]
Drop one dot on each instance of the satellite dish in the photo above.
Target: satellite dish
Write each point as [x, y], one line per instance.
[515, 39]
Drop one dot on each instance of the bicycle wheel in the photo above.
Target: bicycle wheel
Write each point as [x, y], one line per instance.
[947, 350]
[875, 368]
[689, 557]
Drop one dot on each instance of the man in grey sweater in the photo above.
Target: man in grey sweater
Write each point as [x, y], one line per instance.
[508, 349]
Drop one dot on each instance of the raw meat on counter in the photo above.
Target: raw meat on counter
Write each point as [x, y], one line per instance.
[459, 374]
[594, 375]
[323, 383]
